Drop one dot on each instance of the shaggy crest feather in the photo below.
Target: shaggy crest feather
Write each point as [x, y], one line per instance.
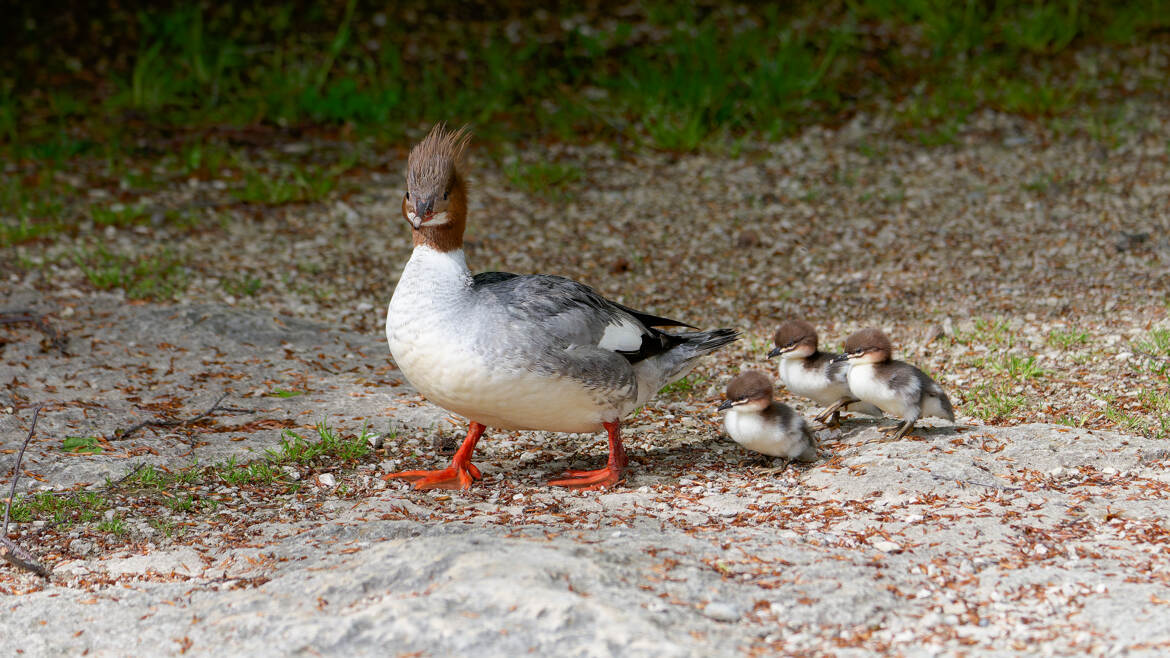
[433, 162]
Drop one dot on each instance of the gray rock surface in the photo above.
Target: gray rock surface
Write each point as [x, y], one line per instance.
[986, 540]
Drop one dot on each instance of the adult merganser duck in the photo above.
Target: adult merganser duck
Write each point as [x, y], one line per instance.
[895, 387]
[813, 374]
[534, 352]
[757, 422]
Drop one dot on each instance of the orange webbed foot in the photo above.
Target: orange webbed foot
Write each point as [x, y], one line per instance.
[602, 478]
[455, 476]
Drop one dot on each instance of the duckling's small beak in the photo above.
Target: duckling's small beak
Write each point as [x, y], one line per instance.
[727, 404]
[842, 357]
[776, 351]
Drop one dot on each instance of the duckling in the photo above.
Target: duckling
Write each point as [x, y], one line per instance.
[757, 422]
[895, 387]
[813, 374]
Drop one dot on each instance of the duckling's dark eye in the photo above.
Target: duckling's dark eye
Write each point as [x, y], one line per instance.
[445, 195]
[408, 196]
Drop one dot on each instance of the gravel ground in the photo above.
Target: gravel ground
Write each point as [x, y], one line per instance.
[1014, 244]
[957, 539]
[1002, 245]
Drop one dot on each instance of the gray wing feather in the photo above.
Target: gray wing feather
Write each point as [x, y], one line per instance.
[568, 311]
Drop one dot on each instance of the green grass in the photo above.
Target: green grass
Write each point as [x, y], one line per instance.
[1126, 421]
[244, 285]
[181, 503]
[686, 385]
[60, 510]
[294, 448]
[155, 491]
[118, 215]
[1154, 352]
[160, 276]
[1067, 340]
[146, 476]
[674, 76]
[544, 178]
[995, 334]
[1016, 367]
[115, 525]
[167, 527]
[254, 472]
[299, 185]
[994, 402]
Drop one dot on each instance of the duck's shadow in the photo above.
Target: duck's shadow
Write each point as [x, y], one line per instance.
[712, 454]
[717, 453]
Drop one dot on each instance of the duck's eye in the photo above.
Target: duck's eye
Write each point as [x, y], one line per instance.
[445, 195]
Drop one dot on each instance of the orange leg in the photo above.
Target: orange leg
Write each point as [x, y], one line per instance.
[602, 477]
[459, 475]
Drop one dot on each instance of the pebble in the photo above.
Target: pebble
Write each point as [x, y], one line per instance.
[721, 611]
[954, 608]
[886, 546]
[327, 480]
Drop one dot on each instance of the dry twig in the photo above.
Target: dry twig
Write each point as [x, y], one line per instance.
[10, 550]
[124, 434]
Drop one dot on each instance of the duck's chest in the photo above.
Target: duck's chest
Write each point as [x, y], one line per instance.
[427, 324]
[812, 383]
[752, 432]
[866, 385]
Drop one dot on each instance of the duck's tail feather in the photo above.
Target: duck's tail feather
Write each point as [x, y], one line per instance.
[675, 362]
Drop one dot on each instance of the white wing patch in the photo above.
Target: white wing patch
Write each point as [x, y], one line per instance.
[625, 336]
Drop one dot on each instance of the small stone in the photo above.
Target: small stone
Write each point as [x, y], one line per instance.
[527, 456]
[292, 473]
[954, 608]
[327, 480]
[82, 547]
[376, 441]
[886, 546]
[720, 611]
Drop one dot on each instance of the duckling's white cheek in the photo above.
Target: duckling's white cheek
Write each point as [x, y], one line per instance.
[755, 406]
[802, 352]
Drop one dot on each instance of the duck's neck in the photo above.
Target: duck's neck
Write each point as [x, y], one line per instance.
[434, 268]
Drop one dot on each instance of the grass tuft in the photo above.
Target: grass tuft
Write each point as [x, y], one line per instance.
[994, 402]
[1067, 340]
[1016, 367]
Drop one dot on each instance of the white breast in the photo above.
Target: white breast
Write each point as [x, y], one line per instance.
[865, 385]
[749, 430]
[811, 384]
[432, 342]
